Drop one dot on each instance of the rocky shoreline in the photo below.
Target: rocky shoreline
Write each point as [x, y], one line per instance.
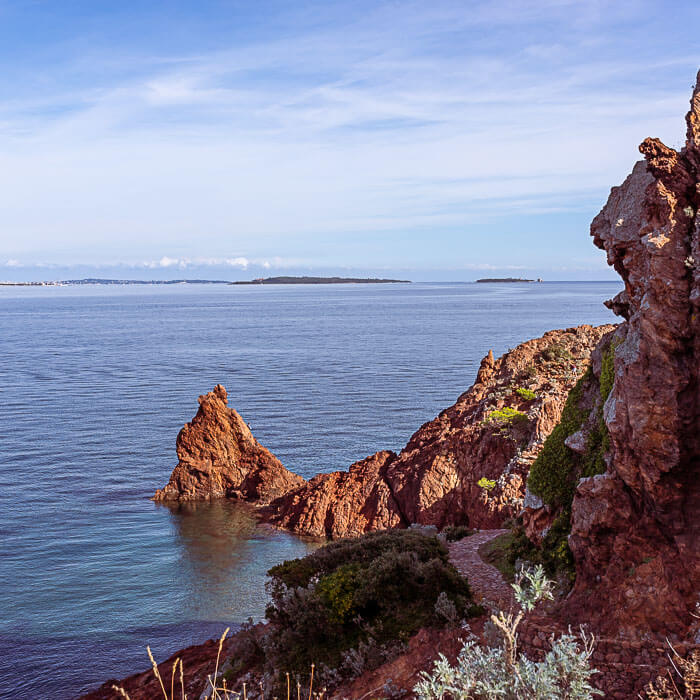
[589, 436]
[492, 433]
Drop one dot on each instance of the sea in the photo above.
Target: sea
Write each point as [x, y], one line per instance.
[96, 382]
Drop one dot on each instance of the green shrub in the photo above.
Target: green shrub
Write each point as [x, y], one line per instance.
[338, 590]
[487, 484]
[556, 352]
[554, 554]
[599, 438]
[374, 590]
[453, 533]
[501, 671]
[498, 553]
[506, 416]
[554, 473]
[526, 394]
[557, 469]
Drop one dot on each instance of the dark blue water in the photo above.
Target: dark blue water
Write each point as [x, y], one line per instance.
[95, 383]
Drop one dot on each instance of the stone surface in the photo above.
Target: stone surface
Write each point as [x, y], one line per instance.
[434, 480]
[636, 529]
[342, 503]
[218, 456]
[486, 581]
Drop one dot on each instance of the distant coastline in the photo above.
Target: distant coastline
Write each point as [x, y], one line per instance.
[508, 279]
[265, 280]
[97, 280]
[321, 280]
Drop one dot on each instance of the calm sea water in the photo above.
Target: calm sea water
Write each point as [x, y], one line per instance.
[95, 383]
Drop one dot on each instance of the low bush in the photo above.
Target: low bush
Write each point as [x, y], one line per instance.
[370, 592]
[599, 438]
[488, 484]
[526, 394]
[505, 415]
[556, 471]
[556, 352]
[498, 553]
[501, 671]
[453, 533]
[553, 474]
[506, 420]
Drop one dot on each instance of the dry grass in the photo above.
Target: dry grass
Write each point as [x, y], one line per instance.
[681, 683]
[214, 691]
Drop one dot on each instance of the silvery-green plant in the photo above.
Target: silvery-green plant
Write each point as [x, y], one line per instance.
[446, 609]
[501, 672]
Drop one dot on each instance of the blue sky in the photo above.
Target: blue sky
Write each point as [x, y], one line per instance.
[441, 140]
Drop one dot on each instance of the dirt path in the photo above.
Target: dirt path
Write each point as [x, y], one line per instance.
[485, 580]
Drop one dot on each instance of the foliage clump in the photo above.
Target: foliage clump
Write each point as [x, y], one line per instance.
[553, 474]
[362, 593]
[453, 533]
[556, 352]
[498, 553]
[505, 418]
[488, 484]
[526, 394]
[598, 437]
[557, 469]
[504, 672]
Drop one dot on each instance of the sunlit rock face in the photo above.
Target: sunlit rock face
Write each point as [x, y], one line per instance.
[468, 466]
[218, 456]
[636, 529]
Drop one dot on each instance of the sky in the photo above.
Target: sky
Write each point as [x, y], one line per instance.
[229, 140]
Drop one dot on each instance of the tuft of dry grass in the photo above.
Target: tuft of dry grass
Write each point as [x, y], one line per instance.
[683, 683]
[217, 692]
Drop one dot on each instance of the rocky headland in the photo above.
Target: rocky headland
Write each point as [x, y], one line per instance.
[468, 466]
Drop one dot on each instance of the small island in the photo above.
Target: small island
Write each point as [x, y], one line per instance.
[508, 279]
[320, 280]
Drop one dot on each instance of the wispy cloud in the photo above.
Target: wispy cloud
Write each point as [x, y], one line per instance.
[399, 120]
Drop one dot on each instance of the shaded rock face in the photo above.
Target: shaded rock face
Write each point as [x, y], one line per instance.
[636, 529]
[218, 456]
[342, 503]
[492, 433]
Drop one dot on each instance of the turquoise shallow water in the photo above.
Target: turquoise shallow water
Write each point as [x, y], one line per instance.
[95, 383]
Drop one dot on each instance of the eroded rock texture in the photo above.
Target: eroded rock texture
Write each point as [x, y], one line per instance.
[218, 456]
[492, 433]
[636, 528]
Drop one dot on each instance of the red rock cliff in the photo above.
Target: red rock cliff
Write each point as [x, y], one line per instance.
[493, 432]
[636, 529]
[218, 456]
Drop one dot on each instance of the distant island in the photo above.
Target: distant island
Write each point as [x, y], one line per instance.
[508, 279]
[97, 280]
[319, 280]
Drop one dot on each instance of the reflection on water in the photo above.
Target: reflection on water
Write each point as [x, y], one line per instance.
[220, 556]
[224, 554]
